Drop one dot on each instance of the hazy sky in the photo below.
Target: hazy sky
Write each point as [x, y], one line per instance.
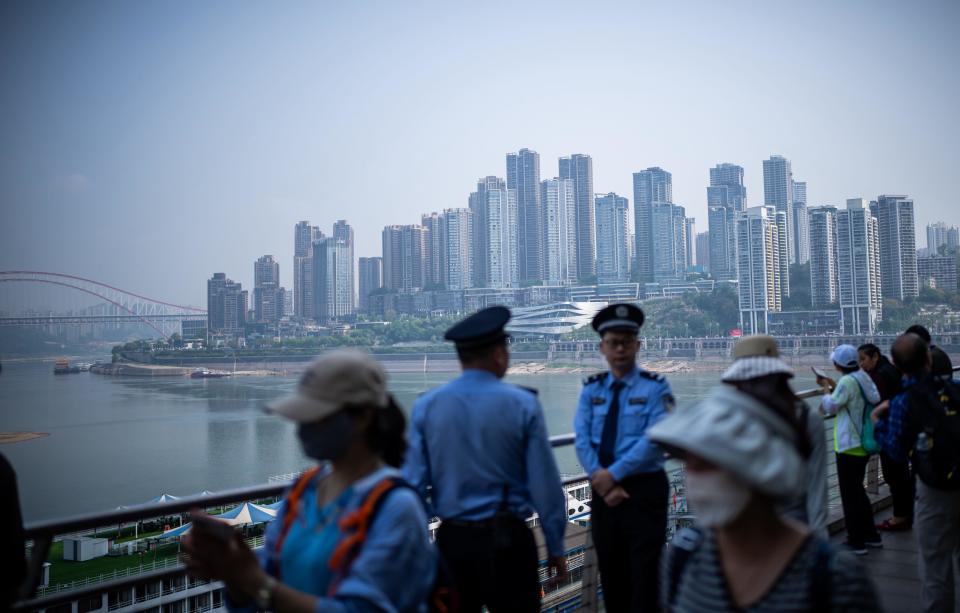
[148, 145]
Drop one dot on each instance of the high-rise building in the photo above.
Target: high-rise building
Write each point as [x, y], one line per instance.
[481, 237]
[226, 306]
[404, 257]
[691, 238]
[457, 229]
[703, 250]
[938, 271]
[858, 268]
[344, 232]
[783, 224]
[502, 258]
[727, 188]
[523, 175]
[801, 246]
[940, 235]
[824, 284]
[434, 250]
[722, 222]
[759, 268]
[304, 236]
[371, 279]
[333, 279]
[579, 169]
[559, 231]
[898, 247]
[669, 242]
[778, 192]
[651, 187]
[613, 238]
[267, 301]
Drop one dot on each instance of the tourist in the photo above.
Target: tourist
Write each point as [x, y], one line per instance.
[630, 489]
[758, 371]
[938, 357]
[349, 536]
[741, 465]
[481, 459]
[12, 551]
[923, 423]
[848, 399]
[897, 474]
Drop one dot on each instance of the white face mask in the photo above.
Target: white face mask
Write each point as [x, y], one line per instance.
[716, 497]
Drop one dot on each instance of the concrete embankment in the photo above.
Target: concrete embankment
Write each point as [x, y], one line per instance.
[139, 370]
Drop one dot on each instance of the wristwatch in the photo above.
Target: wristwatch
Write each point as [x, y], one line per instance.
[264, 595]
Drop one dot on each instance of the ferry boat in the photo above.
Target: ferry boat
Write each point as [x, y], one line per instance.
[62, 367]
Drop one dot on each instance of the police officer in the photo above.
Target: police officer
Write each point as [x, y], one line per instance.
[480, 457]
[629, 508]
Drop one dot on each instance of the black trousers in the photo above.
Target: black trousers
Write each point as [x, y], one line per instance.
[503, 579]
[629, 539]
[857, 513]
[902, 486]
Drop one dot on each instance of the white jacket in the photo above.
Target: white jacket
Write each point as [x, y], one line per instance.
[847, 403]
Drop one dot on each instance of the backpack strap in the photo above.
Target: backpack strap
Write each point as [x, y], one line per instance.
[356, 524]
[291, 510]
[685, 542]
[821, 578]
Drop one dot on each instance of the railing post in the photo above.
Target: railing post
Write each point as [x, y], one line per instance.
[588, 584]
[873, 475]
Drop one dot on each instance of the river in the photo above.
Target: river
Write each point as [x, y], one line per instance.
[124, 440]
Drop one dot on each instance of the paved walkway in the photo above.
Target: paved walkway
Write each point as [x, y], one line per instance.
[894, 569]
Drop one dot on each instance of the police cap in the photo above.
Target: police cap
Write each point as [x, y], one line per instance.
[622, 316]
[484, 327]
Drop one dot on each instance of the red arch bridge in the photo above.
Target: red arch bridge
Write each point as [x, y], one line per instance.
[127, 307]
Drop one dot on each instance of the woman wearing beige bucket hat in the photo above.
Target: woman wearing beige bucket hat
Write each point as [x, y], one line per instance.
[741, 462]
[350, 534]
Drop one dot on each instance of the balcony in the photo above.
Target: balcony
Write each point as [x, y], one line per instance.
[163, 581]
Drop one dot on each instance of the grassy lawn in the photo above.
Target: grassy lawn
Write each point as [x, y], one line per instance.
[65, 571]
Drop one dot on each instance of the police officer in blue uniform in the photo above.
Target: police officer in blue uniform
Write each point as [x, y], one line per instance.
[480, 457]
[629, 508]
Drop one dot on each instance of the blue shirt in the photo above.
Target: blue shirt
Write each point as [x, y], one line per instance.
[393, 571]
[476, 434]
[892, 431]
[644, 400]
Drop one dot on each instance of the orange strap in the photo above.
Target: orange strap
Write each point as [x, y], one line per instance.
[357, 523]
[292, 508]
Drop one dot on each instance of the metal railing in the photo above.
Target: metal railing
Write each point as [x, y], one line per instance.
[43, 534]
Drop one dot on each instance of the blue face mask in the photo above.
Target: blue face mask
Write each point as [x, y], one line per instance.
[327, 439]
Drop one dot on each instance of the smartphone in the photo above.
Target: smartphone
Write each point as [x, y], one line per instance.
[215, 528]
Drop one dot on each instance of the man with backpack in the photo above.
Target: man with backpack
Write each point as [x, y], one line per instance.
[923, 423]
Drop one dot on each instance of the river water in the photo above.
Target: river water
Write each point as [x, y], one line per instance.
[125, 440]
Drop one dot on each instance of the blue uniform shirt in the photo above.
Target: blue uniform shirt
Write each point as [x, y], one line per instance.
[476, 434]
[644, 400]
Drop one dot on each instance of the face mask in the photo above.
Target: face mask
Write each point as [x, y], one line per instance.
[327, 439]
[716, 497]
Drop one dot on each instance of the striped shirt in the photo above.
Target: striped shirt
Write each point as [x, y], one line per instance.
[702, 587]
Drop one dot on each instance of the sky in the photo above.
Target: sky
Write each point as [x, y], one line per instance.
[148, 145]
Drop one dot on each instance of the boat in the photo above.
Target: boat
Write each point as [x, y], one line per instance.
[62, 367]
[203, 373]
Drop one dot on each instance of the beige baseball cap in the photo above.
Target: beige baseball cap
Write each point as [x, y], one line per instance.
[332, 381]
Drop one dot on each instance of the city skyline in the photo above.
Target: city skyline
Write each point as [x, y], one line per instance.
[150, 119]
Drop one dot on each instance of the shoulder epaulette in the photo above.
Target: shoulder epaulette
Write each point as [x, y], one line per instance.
[594, 378]
[653, 376]
[532, 390]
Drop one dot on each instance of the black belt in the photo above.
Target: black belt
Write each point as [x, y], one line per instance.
[485, 524]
